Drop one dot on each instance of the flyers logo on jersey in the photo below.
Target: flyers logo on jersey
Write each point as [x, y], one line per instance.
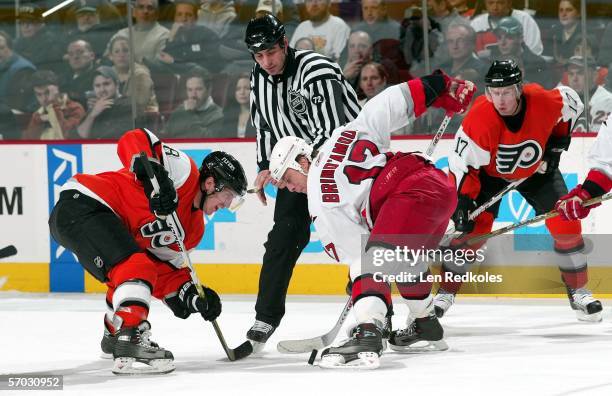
[160, 234]
[521, 155]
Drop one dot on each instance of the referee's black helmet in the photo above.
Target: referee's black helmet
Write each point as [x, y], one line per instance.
[263, 33]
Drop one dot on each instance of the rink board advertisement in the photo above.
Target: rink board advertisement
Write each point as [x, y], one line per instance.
[229, 256]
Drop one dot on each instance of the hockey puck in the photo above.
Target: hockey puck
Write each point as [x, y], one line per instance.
[313, 356]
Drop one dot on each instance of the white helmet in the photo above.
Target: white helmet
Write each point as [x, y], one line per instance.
[284, 156]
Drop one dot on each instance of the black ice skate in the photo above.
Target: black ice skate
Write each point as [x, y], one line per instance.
[421, 335]
[442, 302]
[107, 344]
[133, 346]
[587, 308]
[361, 351]
[259, 334]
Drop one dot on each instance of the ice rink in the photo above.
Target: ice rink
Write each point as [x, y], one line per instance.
[497, 347]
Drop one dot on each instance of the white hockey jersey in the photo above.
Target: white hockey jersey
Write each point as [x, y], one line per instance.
[341, 175]
[600, 106]
[600, 155]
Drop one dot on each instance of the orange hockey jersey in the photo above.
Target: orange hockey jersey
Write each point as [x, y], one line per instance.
[124, 194]
[484, 143]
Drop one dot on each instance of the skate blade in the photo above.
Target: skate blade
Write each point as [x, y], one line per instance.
[421, 347]
[126, 366]
[364, 361]
[589, 318]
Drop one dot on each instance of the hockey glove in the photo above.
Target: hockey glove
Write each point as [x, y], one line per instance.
[570, 206]
[210, 308]
[451, 94]
[461, 217]
[166, 201]
[552, 155]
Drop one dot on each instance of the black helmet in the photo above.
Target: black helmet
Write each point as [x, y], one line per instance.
[263, 33]
[226, 170]
[503, 73]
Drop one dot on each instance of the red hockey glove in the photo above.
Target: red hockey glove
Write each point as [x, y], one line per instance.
[570, 206]
[457, 96]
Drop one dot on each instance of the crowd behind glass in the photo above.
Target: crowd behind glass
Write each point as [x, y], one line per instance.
[69, 74]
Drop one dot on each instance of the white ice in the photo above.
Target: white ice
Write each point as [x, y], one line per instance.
[497, 347]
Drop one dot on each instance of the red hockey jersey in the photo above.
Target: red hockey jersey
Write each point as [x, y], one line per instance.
[124, 195]
[484, 143]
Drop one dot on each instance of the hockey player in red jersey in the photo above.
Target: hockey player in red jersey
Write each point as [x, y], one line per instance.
[516, 132]
[598, 181]
[356, 187]
[108, 221]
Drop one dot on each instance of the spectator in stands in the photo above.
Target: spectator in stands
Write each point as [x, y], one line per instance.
[190, 44]
[359, 52]
[57, 114]
[139, 85]
[149, 36]
[566, 34]
[442, 12]
[236, 114]
[15, 73]
[217, 15]
[412, 39]
[77, 78]
[199, 116]
[485, 24]
[328, 32]
[510, 42]
[89, 28]
[461, 41]
[36, 42]
[600, 102]
[461, 6]
[372, 80]
[305, 43]
[109, 114]
[376, 22]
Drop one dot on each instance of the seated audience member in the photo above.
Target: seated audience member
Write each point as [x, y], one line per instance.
[510, 42]
[37, 42]
[109, 114]
[305, 43]
[89, 27]
[566, 33]
[139, 85]
[149, 36]
[328, 32]
[442, 12]
[57, 114]
[412, 40]
[376, 22]
[9, 127]
[199, 116]
[190, 44]
[237, 114]
[15, 73]
[485, 24]
[359, 52]
[77, 77]
[461, 41]
[217, 15]
[590, 51]
[600, 102]
[462, 8]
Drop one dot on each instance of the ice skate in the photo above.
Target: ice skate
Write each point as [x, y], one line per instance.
[107, 344]
[587, 308]
[361, 351]
[259, 334]
[442, 302]
[135, 353]
[421, 335]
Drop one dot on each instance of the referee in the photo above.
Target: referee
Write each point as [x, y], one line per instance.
[293, 93]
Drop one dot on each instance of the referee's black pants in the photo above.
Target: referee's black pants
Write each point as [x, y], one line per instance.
[289, 236]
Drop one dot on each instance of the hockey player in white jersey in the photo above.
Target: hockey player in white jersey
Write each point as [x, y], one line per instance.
[599, 180]
[368, 203]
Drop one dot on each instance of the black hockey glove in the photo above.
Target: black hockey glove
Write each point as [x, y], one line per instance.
[461, 217]
[190, 302]
[210, 308]
[552, 155]
[166, 201]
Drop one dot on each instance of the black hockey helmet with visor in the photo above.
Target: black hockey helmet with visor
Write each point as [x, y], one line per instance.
[264, 33]
[229, 178]
[504, 73]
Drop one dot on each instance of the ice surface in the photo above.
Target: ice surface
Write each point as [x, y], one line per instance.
[498, 347]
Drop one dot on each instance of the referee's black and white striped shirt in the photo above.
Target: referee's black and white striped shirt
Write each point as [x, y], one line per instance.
[309, 100]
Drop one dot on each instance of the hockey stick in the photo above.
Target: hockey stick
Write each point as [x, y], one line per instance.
[439, 133]
[544, 216]
[8, 251]
[302, 346]
[450, 233]
[244, 349]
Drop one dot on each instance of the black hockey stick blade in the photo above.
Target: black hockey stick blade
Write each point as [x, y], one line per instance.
[243, 350]
[8, 251]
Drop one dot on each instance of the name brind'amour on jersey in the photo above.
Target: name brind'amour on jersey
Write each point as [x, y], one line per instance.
[329, 189]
